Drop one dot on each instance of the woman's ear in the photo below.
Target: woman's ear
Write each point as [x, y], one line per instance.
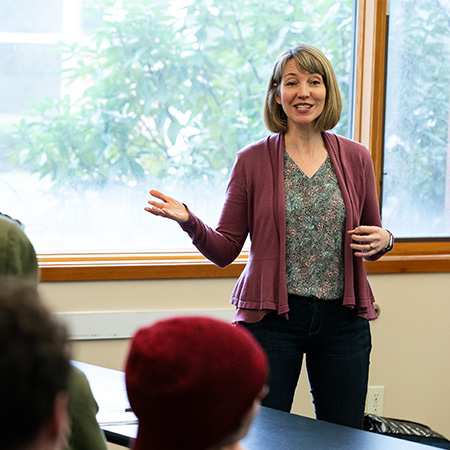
[277, 97]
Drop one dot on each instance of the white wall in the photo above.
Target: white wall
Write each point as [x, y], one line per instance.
[411, 339]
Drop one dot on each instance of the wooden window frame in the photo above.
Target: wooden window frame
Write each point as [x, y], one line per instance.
[408, 256]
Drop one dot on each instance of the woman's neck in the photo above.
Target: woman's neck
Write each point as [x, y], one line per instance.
[308, 145]
[307, 150]
[306, 142]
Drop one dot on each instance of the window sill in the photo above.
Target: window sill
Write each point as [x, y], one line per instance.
[409, 264]
[146, 266]
[414, 256]
[135, 266]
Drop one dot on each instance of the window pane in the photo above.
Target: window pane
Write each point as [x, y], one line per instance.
[102, 100]
[416, 181]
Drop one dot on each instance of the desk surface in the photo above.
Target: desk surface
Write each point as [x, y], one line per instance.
[271, 430]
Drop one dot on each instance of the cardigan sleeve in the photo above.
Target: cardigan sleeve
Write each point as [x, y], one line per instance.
[223, 244]
[371, 209]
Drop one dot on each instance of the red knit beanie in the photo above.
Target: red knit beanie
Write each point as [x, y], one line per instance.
[191, 380]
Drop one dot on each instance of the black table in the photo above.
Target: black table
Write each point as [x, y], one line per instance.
[271, 430]
[276, 430]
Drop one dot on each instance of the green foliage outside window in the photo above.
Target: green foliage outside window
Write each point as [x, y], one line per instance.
[417, 118]
[172, 89]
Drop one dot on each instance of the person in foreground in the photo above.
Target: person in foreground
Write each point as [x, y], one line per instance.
[18, 261]
[194, 383]
[34, 372]
[307, 198]
[17, 255]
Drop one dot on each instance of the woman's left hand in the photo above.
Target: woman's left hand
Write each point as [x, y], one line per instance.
[368, 240]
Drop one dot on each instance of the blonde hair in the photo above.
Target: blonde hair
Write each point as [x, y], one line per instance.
[308, 59]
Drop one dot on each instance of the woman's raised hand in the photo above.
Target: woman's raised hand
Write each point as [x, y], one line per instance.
[168, 207]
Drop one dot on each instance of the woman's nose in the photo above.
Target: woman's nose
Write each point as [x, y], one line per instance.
[303, 90]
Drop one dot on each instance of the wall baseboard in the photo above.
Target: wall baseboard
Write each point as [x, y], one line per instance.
[97, 325]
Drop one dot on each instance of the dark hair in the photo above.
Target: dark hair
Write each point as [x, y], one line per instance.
[312, 60]
[34, 363]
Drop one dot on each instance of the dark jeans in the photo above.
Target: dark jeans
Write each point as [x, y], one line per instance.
[337, 346]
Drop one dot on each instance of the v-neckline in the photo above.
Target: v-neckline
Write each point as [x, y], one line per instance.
[303, 173]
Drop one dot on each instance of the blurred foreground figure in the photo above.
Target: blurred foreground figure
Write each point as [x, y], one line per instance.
[18, 261]
[194, 383]
[34, 372]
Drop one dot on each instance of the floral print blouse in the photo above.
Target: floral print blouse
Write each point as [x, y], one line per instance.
[315, 222]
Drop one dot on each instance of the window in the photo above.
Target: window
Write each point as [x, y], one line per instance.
[410, 255]
[416, 174]
[103, 99]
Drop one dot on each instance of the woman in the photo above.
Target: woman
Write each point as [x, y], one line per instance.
[307, 198]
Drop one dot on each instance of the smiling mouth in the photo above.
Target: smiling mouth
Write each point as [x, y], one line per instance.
[303, 107]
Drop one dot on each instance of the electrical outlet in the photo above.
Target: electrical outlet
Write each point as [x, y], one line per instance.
[375, 399]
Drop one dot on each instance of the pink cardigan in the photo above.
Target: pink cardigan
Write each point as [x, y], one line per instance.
[255, 205]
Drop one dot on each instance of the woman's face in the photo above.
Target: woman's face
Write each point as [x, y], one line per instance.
[301, 95]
